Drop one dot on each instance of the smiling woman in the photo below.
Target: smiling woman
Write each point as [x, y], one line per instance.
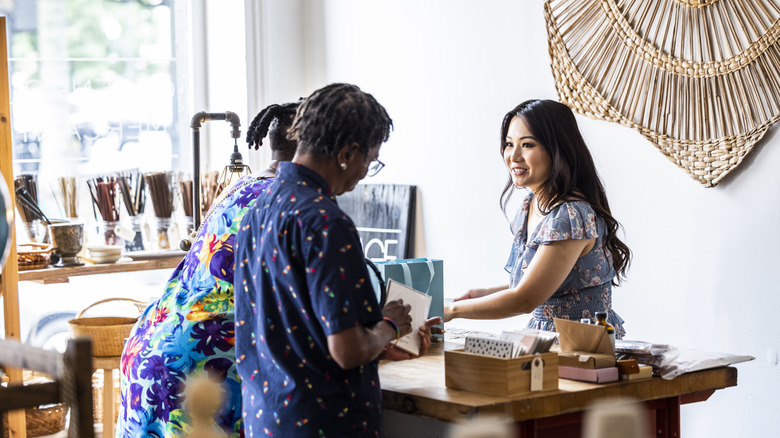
[566, 254]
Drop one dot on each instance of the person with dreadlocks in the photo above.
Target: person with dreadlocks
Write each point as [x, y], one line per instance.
[189, 330]
[309, 330]
[566, 254]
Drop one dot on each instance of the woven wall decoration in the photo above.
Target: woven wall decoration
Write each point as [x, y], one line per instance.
[700, 79]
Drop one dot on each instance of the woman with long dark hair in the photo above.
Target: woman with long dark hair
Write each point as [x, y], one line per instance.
[566, 254]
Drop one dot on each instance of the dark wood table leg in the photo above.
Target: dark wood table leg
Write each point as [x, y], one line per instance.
[663, 415]
[526, 429]
[667, 418]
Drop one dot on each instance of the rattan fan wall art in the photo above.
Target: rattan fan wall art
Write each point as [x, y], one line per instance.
[700, 79]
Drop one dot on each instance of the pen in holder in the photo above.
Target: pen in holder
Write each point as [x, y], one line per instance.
[161, 191]
[133, 188]
[104, 201]
[185, 192]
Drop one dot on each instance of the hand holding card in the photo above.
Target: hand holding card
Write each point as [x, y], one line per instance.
[420, 303]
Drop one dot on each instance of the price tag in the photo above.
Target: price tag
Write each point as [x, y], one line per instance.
[147, 232]
[173, 234]
[537, 373]
[124, 233]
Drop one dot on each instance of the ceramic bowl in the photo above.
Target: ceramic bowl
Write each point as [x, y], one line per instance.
[105, 253]
[110, 258]
[105, 249]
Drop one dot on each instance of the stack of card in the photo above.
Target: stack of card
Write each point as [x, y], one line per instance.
[511, 344]
[529, 341]
[488, 346]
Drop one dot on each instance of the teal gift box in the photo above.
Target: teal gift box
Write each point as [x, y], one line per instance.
[421, 274]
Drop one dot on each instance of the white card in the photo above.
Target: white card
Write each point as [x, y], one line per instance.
[420, 303]
[486, 346]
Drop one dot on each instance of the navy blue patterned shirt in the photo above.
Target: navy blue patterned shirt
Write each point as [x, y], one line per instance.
[301, 276]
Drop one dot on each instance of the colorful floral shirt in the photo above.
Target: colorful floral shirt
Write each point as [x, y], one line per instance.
[189, 330]
[588, 287]
[300, 277]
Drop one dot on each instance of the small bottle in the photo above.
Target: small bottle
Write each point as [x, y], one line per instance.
[163, 223]
[601, 319]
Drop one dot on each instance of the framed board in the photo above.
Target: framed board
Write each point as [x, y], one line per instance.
[384, 216]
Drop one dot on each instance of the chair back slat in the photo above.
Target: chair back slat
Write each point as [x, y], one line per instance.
[14, 354]
[72, 385]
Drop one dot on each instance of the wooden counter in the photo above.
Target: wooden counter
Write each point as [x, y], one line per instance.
[417, 387]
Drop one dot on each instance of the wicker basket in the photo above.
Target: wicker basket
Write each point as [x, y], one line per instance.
[97, 394]
[108, 333]
[41, 421]
[33, 256]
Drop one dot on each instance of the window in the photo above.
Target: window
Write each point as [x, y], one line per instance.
[100, 86]
[96, 86]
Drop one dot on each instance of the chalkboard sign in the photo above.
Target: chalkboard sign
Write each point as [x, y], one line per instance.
[384, 216]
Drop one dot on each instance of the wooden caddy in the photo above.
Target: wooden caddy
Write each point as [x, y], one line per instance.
[497, 376]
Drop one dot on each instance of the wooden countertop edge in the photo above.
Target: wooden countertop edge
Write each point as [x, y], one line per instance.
[551, 403]
[647, 390]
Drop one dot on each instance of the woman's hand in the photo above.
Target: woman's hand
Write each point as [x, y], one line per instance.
[449, 312]
[425, 332]
[399, 313]
[449, 308]
[476, 293]
[549, 268]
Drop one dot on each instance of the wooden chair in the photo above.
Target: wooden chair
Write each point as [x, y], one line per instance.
[72, 385]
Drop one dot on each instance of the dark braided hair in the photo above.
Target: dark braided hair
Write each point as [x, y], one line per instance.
[274, 121]
[338, 115]
[573, 174]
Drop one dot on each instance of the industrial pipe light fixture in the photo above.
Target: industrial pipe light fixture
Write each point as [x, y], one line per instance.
[231, 173]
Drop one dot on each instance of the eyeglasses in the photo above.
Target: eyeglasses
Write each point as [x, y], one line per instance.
[375, 167]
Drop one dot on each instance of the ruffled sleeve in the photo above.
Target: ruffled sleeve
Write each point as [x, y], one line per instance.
[568, 221]
[517, 224]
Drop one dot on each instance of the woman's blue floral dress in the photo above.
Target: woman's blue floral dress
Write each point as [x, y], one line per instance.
[188, 331]
[588, 287]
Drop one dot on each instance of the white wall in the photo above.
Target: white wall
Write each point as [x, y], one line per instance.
[702, 275]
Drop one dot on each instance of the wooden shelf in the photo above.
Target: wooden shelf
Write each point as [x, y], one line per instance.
[53, 275]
